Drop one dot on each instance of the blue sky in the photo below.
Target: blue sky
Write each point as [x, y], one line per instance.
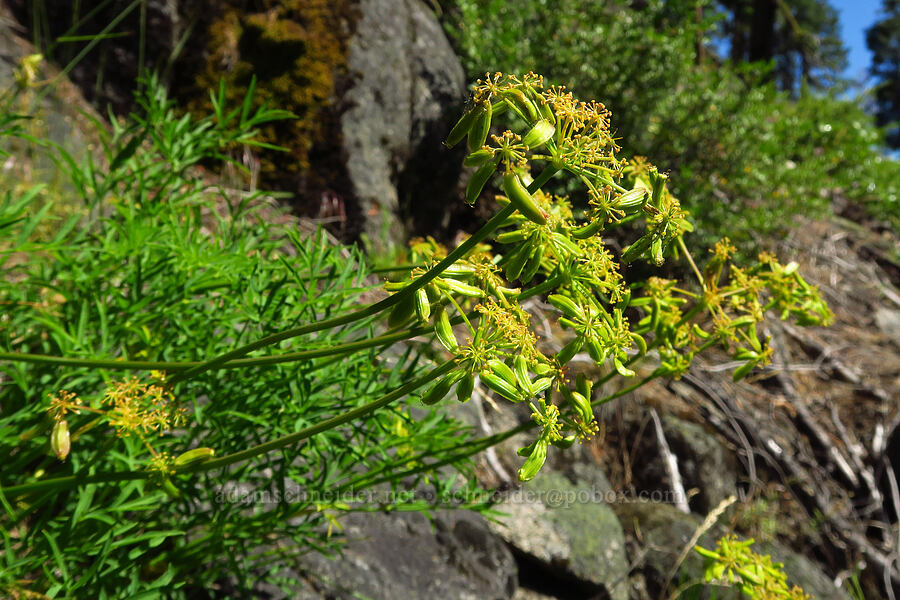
[857, 16]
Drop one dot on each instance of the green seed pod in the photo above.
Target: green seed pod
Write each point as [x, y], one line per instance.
[658, 184]
[584, 385]
[194, 456]
[60, 442]
[509, 237]
[631, 199]
[517, 262]
[502, 369]
[444, 330]
[636, 249]
[743, 370]
[569, 350]
[596, 351]
[423, 306]
[440, 389]
[566, 306]
[462, 127]
[540, 385]
[698, 331]
[539, 135]
[527, 450]
[402, 312]
[546, 110]
[655, 310]
[564, 245]
[582, 405]
[535, 461]
[508, 292]
[479, 180]
[170, 489]
[523, 377]
[533, 264]
[521, 199]
[640, 341]
[656, 251]
[498, 108]
[458, 271]
[625, 300]
[480, 128]
[479, 157]
[622, 369]
[465, 387]
[518, 99]
[499, 385]
[463, 289]
[566, 442]
[589, 230]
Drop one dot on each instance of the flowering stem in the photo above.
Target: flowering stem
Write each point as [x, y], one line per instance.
[368, 311]
[229, 459]
[350, 415]
[257, 361]
[691, 260]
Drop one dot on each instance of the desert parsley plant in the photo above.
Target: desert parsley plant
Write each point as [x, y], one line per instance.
[734, 564]
[256, 366]
[101, 312]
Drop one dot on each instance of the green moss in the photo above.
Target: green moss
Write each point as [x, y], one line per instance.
[297, 49]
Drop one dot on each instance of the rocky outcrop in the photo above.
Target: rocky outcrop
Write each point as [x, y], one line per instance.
[568, 538]
[404, 78]
[372, 84]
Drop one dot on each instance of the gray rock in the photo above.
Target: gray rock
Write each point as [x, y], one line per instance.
[63, 116]
[705, 464]
[569, 532]
[107, 74]
[664, 532]
[401, 555]
[405, 76]
[888, 321]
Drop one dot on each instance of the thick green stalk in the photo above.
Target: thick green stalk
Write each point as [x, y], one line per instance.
[368, 311]
[257, 361]
[350, 415]
[463, 450]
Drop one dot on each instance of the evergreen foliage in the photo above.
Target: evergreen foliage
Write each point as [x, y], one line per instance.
[883, 39]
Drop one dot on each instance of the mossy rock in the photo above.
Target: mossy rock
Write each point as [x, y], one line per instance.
[297, 50]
